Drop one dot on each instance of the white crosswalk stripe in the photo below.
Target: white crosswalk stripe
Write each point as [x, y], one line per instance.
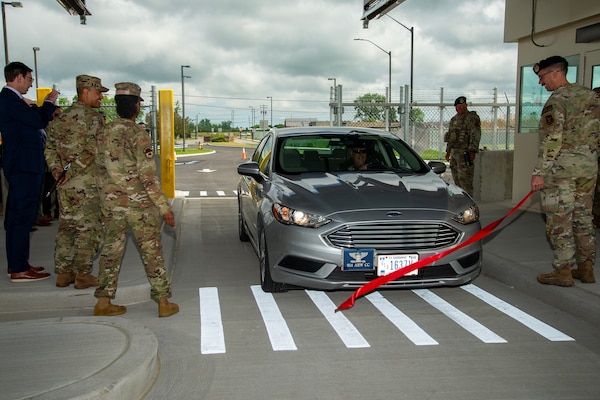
[277, 329]
[407, 326]
[212, 338]
[344, 328]
[534, 324]
[205, 193]
[281, 337]
[462, 319]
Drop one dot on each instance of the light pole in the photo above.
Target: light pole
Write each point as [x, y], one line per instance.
[389, 94]
[330, 98]
[16, 4]
[197, 125]
[271, 97]
[412, 47]
[35, 50]
[183, 101]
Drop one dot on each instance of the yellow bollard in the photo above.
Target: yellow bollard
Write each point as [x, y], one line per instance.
[166, 111]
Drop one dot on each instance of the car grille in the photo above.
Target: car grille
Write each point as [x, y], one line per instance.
[394, 236]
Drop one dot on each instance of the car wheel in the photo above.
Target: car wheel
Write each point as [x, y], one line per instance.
[266, 282]
[243, 233]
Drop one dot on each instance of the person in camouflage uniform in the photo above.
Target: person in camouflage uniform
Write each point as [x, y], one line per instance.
[130, 197]
[72, 140]
[566, 171]
[462, 138]
[596, 205]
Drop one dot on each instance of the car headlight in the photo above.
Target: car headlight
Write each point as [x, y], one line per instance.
[468, 216]
[290, 216]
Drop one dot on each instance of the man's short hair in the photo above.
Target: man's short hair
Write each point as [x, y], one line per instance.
[126, 105]
[14, 69]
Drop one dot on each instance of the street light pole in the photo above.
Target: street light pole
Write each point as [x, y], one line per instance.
[389, 93]
[35, 50]
[271, 97]
[334, 100]
[16, 4]
[412, 47]
[183, 101]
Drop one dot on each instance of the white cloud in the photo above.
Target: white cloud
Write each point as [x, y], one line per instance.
[241, 51]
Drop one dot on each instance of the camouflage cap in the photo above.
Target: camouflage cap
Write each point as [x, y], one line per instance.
[548, 62]
[460, 100]
[128, 89]
[87, 81]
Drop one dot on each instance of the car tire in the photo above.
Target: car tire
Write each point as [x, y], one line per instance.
[243, 233]
[266, 282]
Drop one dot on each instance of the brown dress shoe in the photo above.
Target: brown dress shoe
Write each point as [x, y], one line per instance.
[42, 222]
[28, 276]
[84, 281]
[64, 280]
[34, 269]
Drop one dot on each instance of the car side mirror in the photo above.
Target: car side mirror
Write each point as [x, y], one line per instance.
[250, 169]
[437, 167]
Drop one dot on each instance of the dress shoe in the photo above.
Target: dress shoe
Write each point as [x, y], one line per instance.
[65, 279]
[42, 222]
[34, 269]
[28, 276]
[84, 281]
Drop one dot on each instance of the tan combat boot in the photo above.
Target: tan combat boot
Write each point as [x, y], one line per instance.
[64, 280]
[104, 308]
[584, 272]
[84, 281]
[558, 277]
[166, 309]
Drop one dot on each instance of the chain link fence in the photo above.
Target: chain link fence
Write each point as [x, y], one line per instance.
[431, 112]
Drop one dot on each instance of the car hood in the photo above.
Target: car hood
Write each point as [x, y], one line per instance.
[326, 193]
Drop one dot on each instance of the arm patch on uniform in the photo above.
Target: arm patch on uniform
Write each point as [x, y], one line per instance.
[148, 152]
[548, 119]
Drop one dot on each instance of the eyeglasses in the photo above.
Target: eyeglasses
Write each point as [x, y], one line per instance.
[359, 151]
[29, 78]
[545, 73]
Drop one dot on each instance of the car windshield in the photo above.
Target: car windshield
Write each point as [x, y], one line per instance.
[338, 153]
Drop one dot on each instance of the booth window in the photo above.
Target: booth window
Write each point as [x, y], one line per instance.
[533, 96]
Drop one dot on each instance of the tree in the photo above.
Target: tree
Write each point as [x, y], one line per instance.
[372, 113]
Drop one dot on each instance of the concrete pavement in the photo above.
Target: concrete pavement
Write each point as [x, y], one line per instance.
[514, 255]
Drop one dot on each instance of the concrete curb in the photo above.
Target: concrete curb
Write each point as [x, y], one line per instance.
[128, 373]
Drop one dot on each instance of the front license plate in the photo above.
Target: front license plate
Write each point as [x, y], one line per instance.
[393, 262]
[358, 260]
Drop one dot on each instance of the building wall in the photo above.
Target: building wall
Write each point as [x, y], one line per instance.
[556, 23]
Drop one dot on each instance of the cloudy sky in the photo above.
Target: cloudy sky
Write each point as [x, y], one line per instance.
[242, 51]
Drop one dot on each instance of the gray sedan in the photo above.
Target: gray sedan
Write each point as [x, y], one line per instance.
[333, 208]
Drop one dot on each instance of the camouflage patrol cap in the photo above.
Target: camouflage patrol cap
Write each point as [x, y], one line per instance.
[460, 100]
[548, 62]
[128, 89]
[87, 81]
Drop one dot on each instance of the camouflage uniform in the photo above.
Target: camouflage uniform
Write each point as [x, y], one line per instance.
[72, 139]
[463, 136]
[568, 162]
[130, 197]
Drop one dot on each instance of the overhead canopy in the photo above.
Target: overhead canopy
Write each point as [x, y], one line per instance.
[378, 8]
[76, 7]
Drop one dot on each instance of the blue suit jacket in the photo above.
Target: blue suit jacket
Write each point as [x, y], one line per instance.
[20, 125]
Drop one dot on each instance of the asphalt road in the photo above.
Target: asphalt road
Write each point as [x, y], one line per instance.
[232, 341]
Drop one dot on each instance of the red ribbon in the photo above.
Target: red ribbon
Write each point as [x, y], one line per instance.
[382, 280]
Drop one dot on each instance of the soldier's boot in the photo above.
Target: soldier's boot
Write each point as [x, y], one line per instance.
[65, 279]
[84, 281]
[584, 272]
[104, 308]
[166, 309]
[558, 277]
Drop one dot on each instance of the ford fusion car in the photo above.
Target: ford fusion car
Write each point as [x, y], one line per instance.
[333, 208]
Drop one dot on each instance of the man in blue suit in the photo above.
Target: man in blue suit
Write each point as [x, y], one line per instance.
[23, 162]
